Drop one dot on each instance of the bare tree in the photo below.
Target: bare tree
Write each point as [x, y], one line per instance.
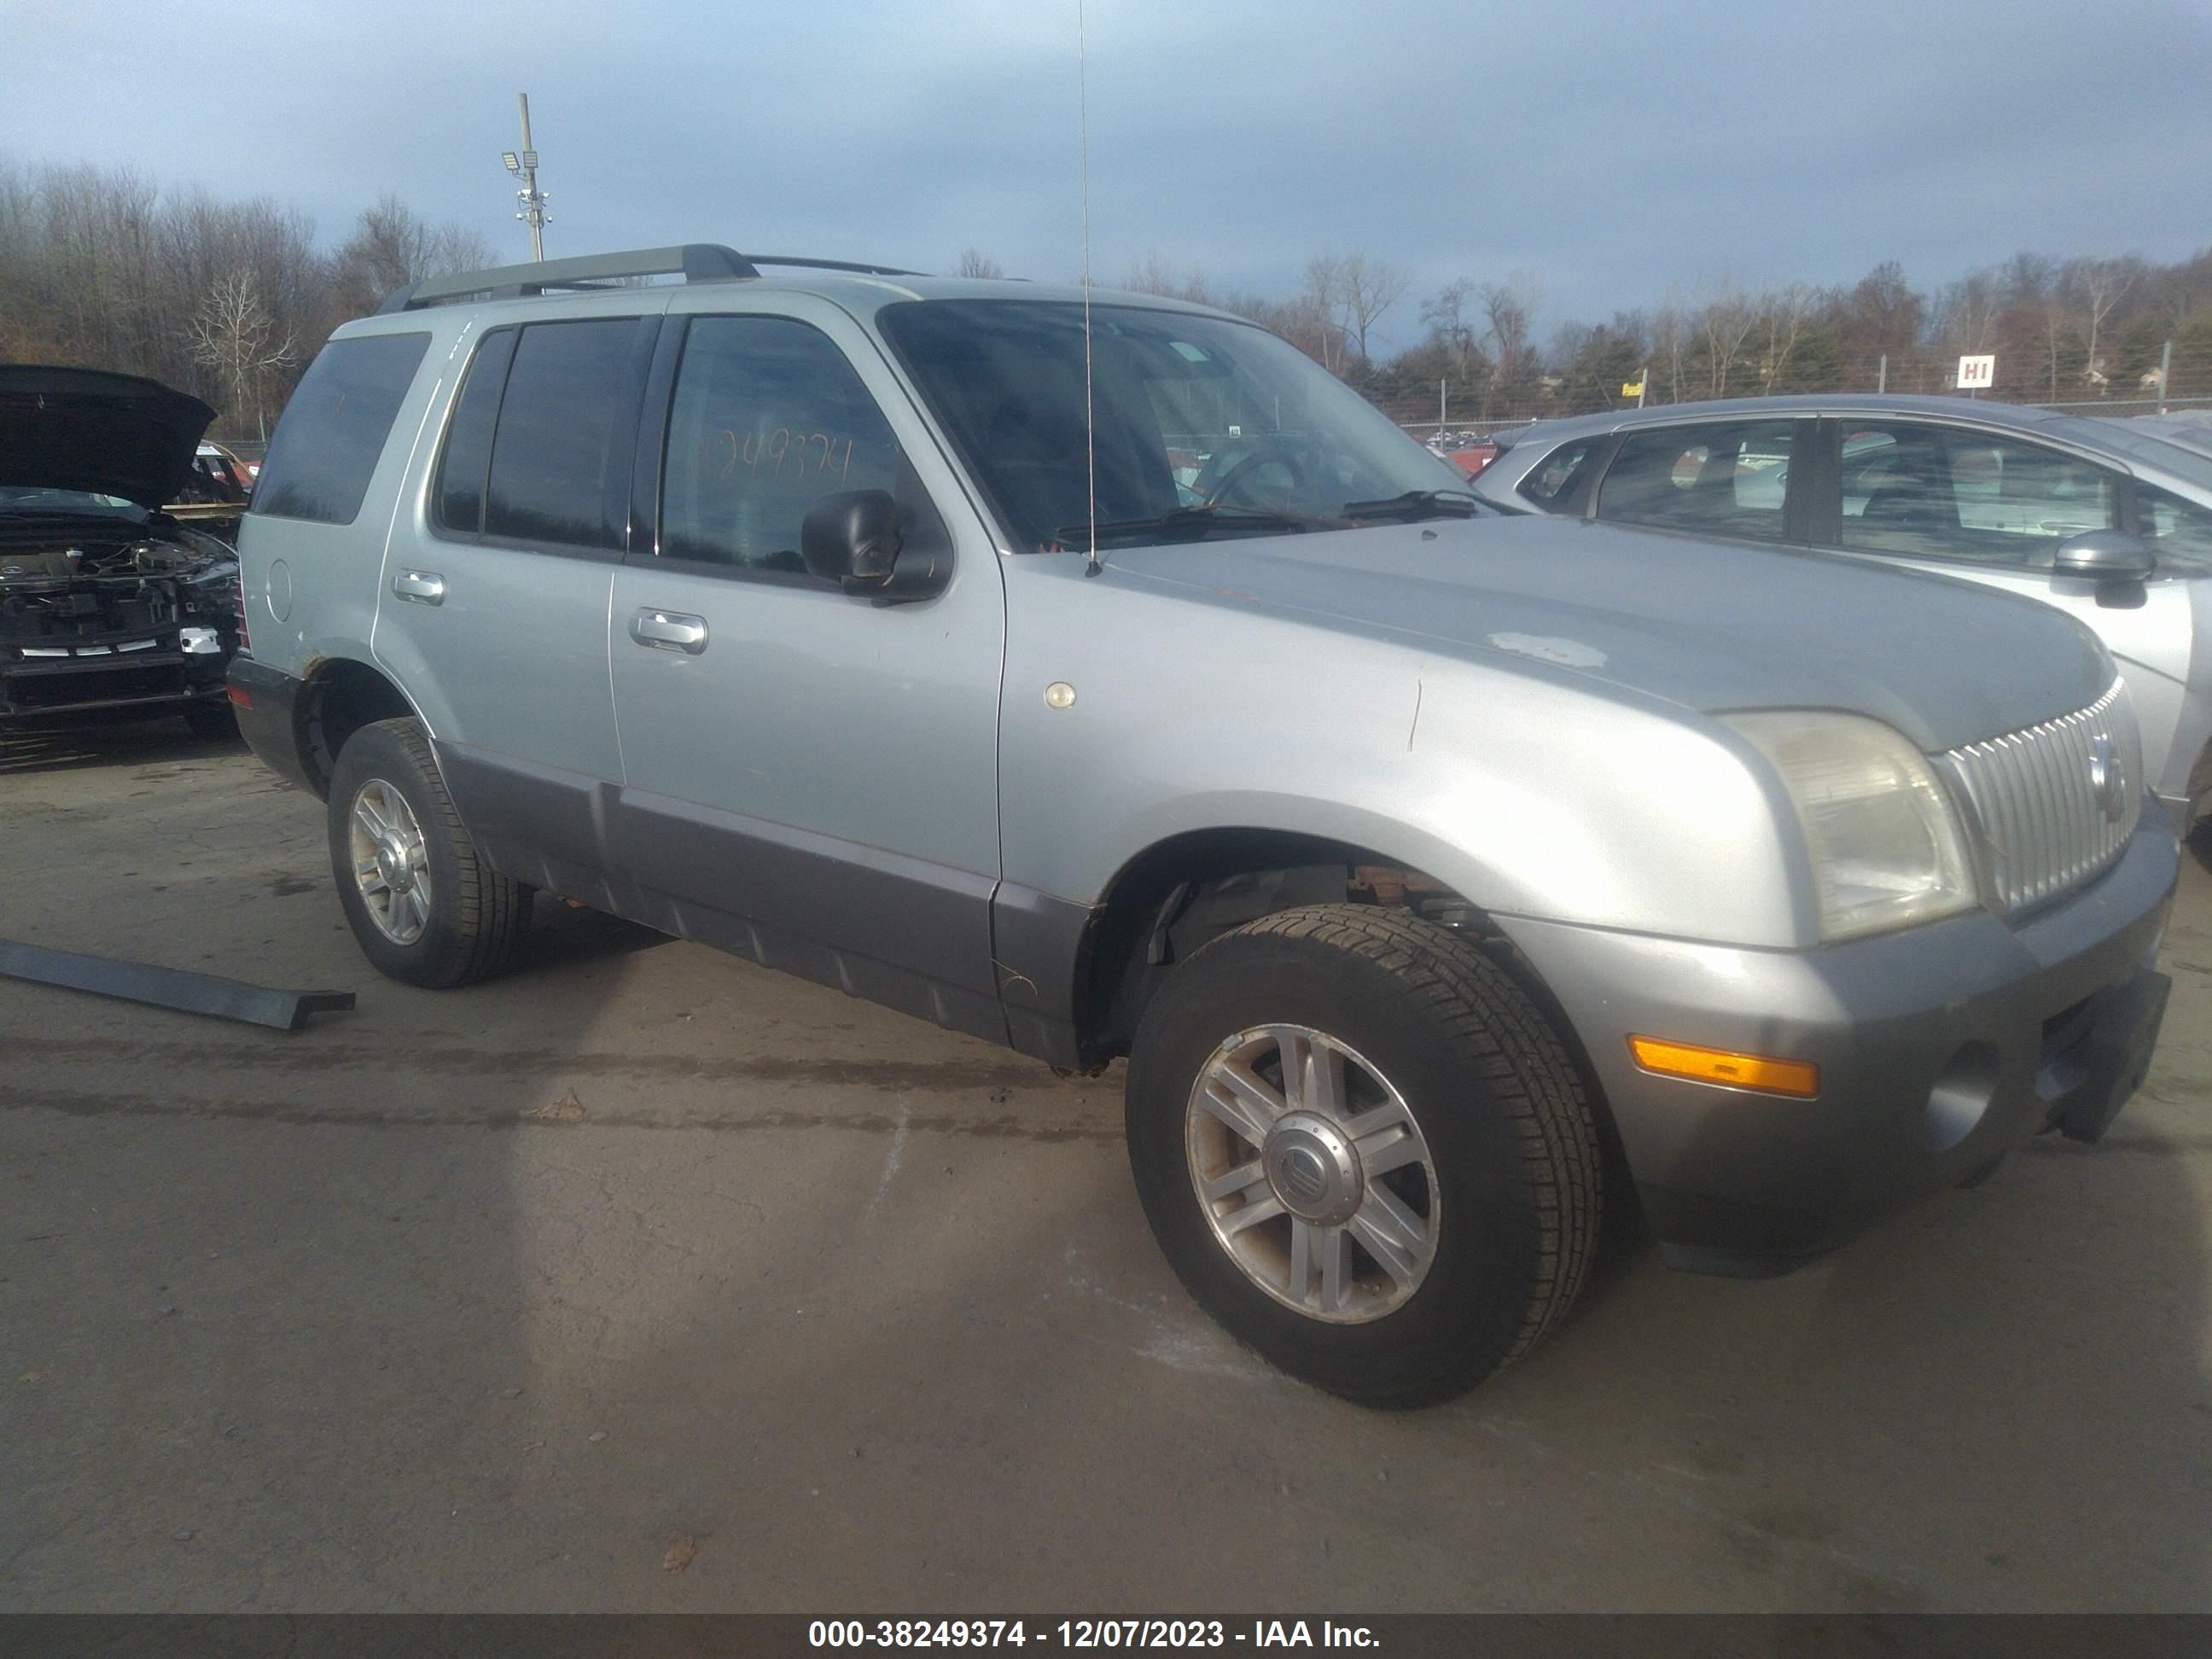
[1781, 314]
[2102, 284]
[974, 262]
[234, 334]
[1508, 315]
[1368, 287]
[1321, 302]
[1154, 274]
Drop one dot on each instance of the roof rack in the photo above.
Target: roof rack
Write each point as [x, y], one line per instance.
[695, 262]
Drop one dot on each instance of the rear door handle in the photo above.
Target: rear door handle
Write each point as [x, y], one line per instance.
[669, 630]
[423, 586]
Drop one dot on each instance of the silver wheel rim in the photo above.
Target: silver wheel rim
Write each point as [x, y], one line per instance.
[391, 866]
[1313, 1173]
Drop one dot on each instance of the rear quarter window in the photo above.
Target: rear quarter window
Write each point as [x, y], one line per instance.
[1551, 477]
[327, 446]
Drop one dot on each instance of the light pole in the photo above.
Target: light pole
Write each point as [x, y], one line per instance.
[525, 167]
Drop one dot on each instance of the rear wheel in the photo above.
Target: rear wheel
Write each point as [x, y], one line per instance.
[1364, 1150]
[423, 905]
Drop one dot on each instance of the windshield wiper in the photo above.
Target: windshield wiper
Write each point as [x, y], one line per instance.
[1416, 504]
[1196, 524]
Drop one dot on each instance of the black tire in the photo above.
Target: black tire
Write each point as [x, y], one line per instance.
[477, 917]
[1516, 1154]
[212, 722]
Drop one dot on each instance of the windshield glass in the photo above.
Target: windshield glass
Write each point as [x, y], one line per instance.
[19, 499]
[2149, 447]
[1200, 421]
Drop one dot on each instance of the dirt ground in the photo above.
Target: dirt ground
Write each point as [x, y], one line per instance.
[645, 1279]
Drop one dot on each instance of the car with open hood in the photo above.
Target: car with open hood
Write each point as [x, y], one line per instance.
[1096, 675]
[109, 606]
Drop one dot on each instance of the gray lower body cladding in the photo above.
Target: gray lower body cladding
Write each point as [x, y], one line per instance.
[1940, 1049]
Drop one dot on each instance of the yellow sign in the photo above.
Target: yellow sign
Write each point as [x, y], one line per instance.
[1632, 389]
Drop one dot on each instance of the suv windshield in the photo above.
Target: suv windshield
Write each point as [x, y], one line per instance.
[1204, 425]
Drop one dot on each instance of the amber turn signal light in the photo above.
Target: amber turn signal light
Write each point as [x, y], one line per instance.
[1798, 1078]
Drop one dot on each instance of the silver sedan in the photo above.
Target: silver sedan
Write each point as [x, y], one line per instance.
[2109, 518]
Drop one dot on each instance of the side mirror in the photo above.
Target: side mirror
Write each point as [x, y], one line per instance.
[855, 539]
[2105, 556]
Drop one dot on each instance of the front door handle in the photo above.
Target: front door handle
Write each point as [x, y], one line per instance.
[669, 630]
[423, 586]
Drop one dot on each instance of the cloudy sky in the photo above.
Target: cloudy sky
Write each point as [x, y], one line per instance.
[1612, 150]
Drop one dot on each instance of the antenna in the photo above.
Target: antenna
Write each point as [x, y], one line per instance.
[1083, 144]
[523, 164]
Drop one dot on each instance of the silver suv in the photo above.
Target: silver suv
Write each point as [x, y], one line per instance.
[1096, 675]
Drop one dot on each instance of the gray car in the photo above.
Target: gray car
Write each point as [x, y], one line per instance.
[1989, 492]
[1094, 674]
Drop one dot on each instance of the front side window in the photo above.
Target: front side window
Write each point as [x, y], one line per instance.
[2179, 532]
[1191, 425]
[560, 462]
[768, 417]
[1727, 478]
[1923, 490]
[326, 447]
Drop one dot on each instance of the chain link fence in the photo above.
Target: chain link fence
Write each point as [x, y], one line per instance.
[2130, 388]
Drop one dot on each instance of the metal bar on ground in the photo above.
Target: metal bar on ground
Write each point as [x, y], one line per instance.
[169, 988]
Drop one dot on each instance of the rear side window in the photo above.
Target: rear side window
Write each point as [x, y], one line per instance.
[460, 493]
[1557, 472]
[559, 463]
[768, 418]
[1725, 479]
[334, 428]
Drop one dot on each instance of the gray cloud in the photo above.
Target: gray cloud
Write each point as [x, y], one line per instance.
[1613, 150]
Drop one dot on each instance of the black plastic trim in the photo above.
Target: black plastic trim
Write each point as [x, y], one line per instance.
[904, 932]
[1041, 947]
[271, 724]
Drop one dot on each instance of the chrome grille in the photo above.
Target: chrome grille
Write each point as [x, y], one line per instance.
[2035, 804]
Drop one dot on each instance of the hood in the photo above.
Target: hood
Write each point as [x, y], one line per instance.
[1709, 625]
[102, 433]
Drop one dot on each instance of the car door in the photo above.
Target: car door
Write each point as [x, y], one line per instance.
[808, 777]
[1992, 507]
[493, 610]
[1737, 478]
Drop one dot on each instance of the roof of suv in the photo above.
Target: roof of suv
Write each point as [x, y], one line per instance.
[860, 288]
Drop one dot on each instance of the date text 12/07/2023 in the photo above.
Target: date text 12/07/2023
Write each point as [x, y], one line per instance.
[1079, 1633]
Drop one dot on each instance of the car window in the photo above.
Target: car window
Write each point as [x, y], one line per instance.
[559, 455]
[767, 419]
[1726, 479]
[1551, 477]
[326, 447]
[458, 495]
[1940, 492]
[2179, 532]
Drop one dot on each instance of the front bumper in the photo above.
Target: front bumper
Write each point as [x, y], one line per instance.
[1940, 1049]
[142, 675]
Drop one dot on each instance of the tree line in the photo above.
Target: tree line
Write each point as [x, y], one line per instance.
[228, 300]
[2061, 330]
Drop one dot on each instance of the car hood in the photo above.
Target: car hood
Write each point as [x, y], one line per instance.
[102, 433]
[1710, 625]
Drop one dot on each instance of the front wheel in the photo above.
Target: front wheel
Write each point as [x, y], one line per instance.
[1364, 1150]
[424, 907]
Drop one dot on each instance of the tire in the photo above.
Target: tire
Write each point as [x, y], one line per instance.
[212, 722]
[1507, 1191]
[468, 925]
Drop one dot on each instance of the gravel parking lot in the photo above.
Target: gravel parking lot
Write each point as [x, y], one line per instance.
[507, 1298]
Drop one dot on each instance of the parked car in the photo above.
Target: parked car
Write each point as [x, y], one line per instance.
[107, 604]
[2108, 521]
[1437, 873]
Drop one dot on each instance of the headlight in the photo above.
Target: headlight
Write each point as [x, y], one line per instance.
[1885, 840]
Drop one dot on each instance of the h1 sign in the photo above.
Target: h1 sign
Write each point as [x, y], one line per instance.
[1977, 372]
